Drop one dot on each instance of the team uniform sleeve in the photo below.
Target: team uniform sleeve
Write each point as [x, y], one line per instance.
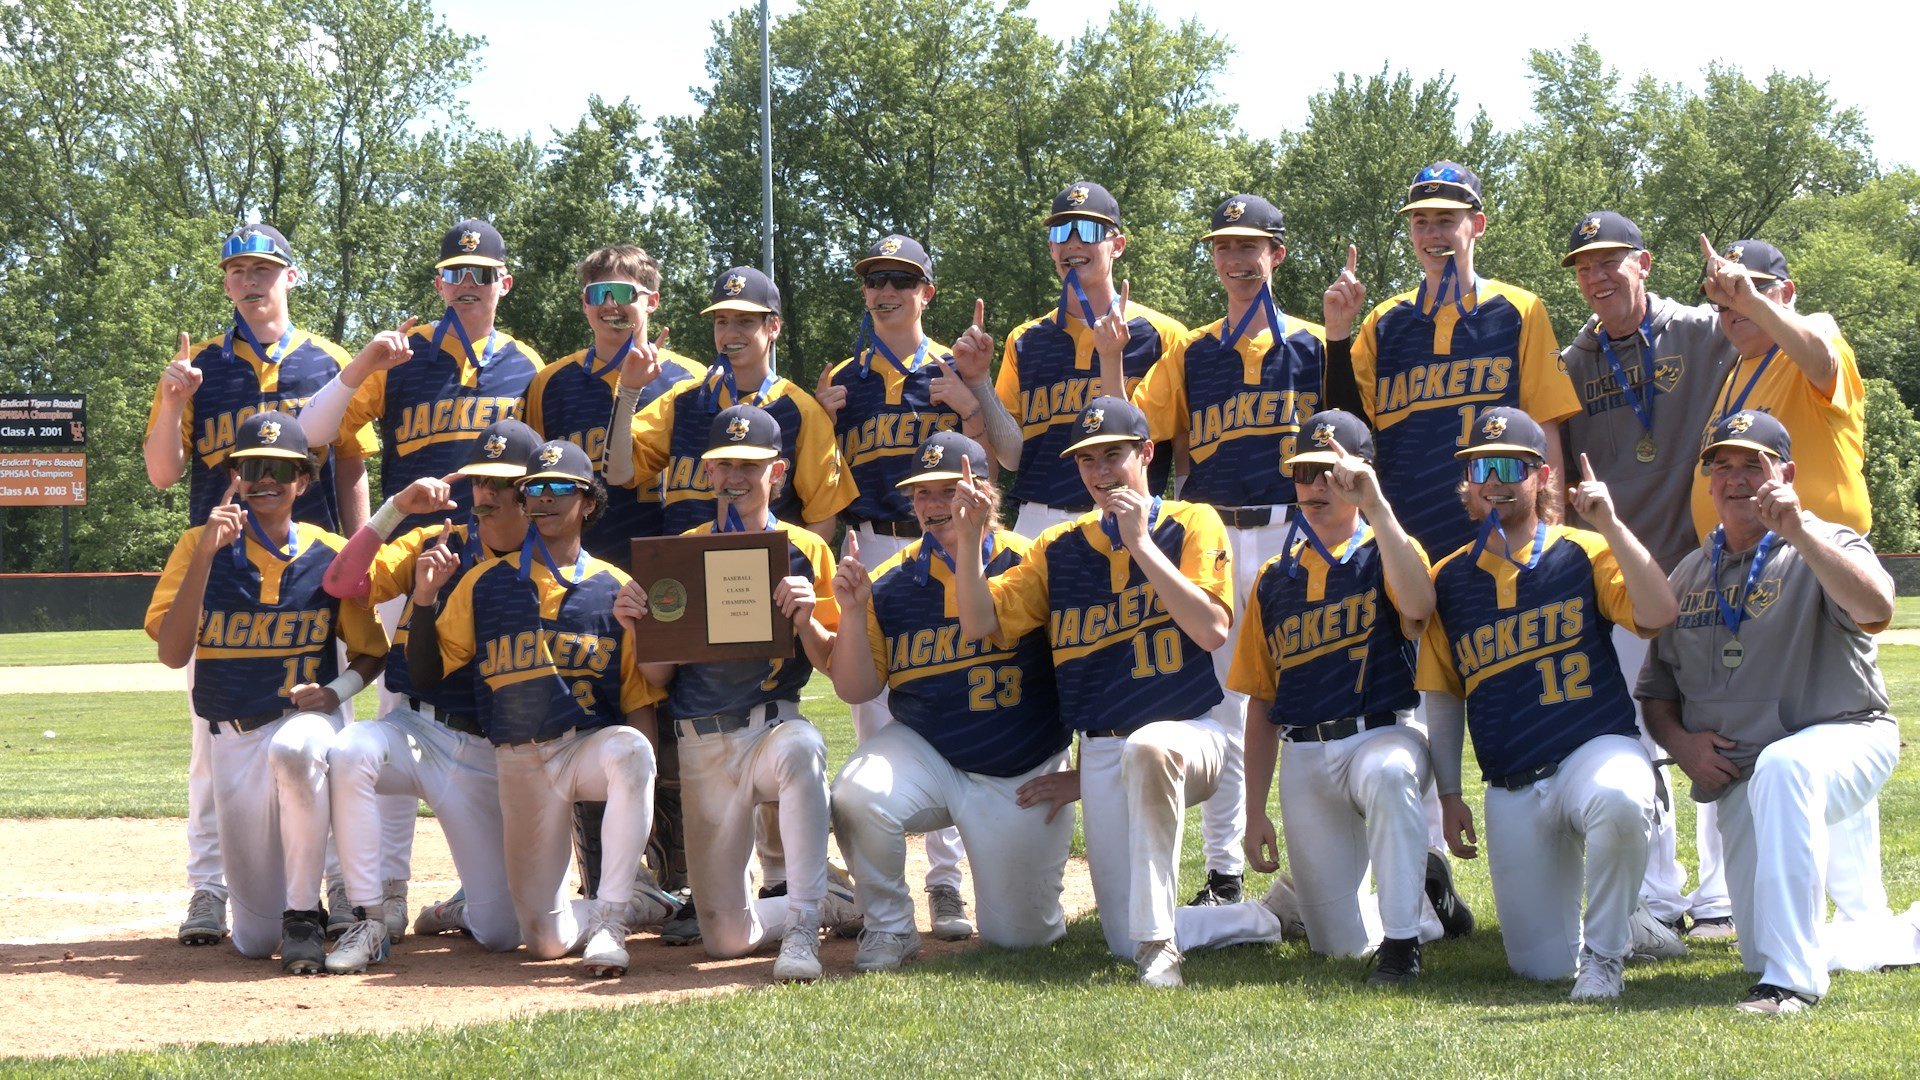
[1162, 393]
[1020, 594]
[1006, 385]
[391, 574]
[455, 624]
[1386, 580]
[535, 413]
[361, 630]
[1366, 353]
[1435, 671]
[368, 403]
[820, 477]
[1206, 559]
[635, 691]
[168, 587]
[1609, 584]
[826, 609]
[1856, 549]
[1546, 390]
[1253, 671]
[1656, 679]
[653, 432]
[186, 420]
[877, 644]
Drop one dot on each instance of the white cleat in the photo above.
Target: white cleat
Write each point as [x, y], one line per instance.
[1159, 965]
[881, 950]
[605, 953]
[1601, 978]
[364, 944]
[393, 910]
[950, 922]
[1284, 902]
[799, 959]
[1652, 939]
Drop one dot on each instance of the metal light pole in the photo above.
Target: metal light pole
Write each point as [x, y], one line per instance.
[766, 157]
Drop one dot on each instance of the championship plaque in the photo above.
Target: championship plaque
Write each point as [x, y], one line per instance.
[710, 597]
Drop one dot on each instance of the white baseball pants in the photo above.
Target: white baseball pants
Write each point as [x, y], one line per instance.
[1223, 818]
[270, 797]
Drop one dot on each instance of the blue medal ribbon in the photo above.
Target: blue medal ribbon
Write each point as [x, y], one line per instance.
[533, 545]
[864, 353]
[267, 356]
[1642, 407]
[1070, 287]
[620, 355]
[724, 367]
[1734, 614]
[1449, 275]
[931, 549]
[1741, 401]
[451, 321]
[1111, 527]
[1263, 302]
[1299, 526]
[1492, 525]
[260, 537]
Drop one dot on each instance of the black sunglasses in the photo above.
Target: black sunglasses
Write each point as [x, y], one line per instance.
[1306, 472]
[892, 279]
[280, 469]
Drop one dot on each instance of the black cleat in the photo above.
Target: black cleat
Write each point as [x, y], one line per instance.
[684, 927]
[768, 892]
[303, 942]
[1219, 889]
[1395, 963]
[1456, 919]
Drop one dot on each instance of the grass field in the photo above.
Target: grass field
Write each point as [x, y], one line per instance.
[1906, 613]
[94, 647]
[1065, 1010]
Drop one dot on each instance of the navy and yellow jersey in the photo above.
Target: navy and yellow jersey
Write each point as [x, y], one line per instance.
[567, 402]
[1531, 652]
[672, 433]
[1118, 657]
[237, 385]
[546, 656]
[392, 575]
[734, 686]
[1329, 637]
[888, 414]
[1240, 409]
[267, 624]
[986, 709]
[1047, 376]
[1424, 378]
[431, 408]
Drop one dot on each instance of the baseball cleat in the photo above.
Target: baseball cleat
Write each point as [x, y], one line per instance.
[1395, 963]
[1766, 999]
[303, 947]
[339, 909]
[1284, 902]
[1219, 889]
[1600, 978]
[768, 892]
[882, 950]
[206, 921]
[1713, 928]
[840, 912]
[1159, 965]
[1456, 919]
[683, 928]
[443, 917]
[651, 906]
[605, 953]
[949, 911]
[393, 909]
[799, 959]
[365, 943]
[1652, 939]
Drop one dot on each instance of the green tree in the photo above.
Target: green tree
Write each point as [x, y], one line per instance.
[1893, 469]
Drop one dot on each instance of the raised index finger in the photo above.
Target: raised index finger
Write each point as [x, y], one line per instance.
[1773, 467]
[227, 500]
[1706, 248]
[1586, 468]
[1353, 260]
[979, 314]
[186, 346]
[851, 549]
[1338, 450]
[966, 471]
[1126, 292]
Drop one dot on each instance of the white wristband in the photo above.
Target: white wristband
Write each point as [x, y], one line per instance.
[386, 519]
[347, 685]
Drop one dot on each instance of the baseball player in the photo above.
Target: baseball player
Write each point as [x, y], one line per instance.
[1521, 633]
[1647, 370]
[1049, 370]
[743, 741]
[262, 363]
[977, 727]
[433, 748]
[1332, 624]
[241, 599]
[1235, 393]
[1132, 596]
[1768, 693]
[671, 433]
[560, 695]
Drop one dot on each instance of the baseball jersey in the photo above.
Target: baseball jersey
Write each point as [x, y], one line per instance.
[1424, 378]
[431, 408]
[1330, 632]
[1240, 408]
[547, 655]
[391, 575]
[672, 433]
[1678, 380]
[566, 401]
[1010, 720]
[887, 415]
[1828, 432]
[734, 686]
[1119, 659]
[1047, 375]
[1531, 651]
[266, 623]
[1806, 661]
[235, 383]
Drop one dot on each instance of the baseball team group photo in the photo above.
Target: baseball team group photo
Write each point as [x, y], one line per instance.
[1405, 595]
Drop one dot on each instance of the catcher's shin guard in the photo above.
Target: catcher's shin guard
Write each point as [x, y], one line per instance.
[587, 817]
[667, 846]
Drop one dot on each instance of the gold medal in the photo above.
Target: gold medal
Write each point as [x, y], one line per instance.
[1645, 449]
[1733, 654]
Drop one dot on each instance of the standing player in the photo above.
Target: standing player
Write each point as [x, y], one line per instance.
[241, 599]
[1332, 623]
[560, 695]
[261, 363]
[945, 764]
[743, 741]
[1235, 392]
[1522, 634]
[1131, 596]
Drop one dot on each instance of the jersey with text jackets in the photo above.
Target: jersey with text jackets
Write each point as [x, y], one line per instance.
[887, 415]
[986, 709]
[392, 575]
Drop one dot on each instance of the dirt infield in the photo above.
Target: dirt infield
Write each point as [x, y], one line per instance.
[89, 964]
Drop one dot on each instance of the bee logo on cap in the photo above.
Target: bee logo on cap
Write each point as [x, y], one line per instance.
[1495, 427]
[1095, 417]
[737, 428]
[1589, 228]
[496, 445]
[269, 433]
[930, 457]
[470, 240]
[735, 285]
[1323, 434]
[1077, 195]
[550, 457]
[890, 245]
[1734, 253]
[1234, 210]
[1739, 423]
[1429, 188]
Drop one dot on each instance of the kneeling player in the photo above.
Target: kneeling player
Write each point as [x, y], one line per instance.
[1327, 665]
[241, 598]
[560, 695]
[977, 736]
[1522, 631]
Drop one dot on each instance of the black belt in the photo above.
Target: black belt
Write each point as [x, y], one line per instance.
[460, 722]
[903, 530]
[244, 724]
[1248, 517]
[723, 723]
[1111, 733]
[1519, 780]
[1339, 728]
[541, 738]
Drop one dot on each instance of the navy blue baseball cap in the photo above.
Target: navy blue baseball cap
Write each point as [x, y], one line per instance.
[1444, 185]
[1248, 215]
[1750, 430]
[896, 252]
[1109, 420]
[744, 289]
[1085, 199]
[743, 433]
[472, 243]
[502, 450]
[1600, 230]
[1763, 261]
[270, 435]
[1504, 431]
[258, 240]
[940, 456]
[1326, 428]
[558, 460]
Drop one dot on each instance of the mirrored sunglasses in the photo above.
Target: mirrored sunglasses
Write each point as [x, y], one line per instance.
[1509, 470]
[479, 275]
[620, 292]
[556, 488]
[251, 244]
[1088, 231]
